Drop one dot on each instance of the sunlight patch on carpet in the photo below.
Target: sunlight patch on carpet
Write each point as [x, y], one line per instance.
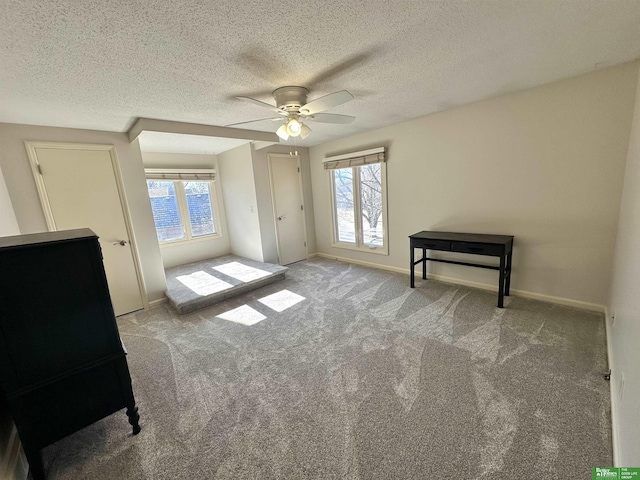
[203, 284]
[244, 315]
[281, 300]
[242, 272]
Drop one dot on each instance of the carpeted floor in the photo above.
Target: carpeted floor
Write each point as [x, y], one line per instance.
[363, 378]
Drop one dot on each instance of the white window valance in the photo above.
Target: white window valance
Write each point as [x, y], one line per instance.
[355, 159]
[180, 173]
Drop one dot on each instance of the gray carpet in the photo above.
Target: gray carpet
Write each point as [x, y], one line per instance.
[363, 379]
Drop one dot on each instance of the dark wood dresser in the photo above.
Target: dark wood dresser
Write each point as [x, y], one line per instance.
[62, 363]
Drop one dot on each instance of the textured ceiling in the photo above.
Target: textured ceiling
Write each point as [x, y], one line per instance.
[100, 64]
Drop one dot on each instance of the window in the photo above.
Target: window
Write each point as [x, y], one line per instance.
[359, 202]
[183, 210]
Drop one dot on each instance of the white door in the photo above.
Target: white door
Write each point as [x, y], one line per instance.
[79, 187]
[288, 207]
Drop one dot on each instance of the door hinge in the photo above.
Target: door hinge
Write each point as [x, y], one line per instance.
[302, 207]
[298, 169]
[39, 168]
[305, 244]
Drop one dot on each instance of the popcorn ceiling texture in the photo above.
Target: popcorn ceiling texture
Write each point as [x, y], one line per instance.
[363, 379]
[99, 64]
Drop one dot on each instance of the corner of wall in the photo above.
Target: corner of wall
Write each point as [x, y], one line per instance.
[623, 307]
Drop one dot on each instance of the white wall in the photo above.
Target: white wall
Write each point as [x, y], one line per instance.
[177, 253]
[238, 189]
[265, 204]
[24, 196]
[624, 332]
[545, 165]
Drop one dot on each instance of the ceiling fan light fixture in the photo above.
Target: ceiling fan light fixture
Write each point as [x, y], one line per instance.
[282, 132]
[292, 104]
[294, 127]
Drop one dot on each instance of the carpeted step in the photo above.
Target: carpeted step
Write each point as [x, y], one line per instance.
[197, 285]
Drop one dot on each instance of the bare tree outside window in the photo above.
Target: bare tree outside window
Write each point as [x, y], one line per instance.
[369, 191]
[371, 203]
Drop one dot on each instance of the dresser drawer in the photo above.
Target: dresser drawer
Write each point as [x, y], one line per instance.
[431, 244]
[477, 248]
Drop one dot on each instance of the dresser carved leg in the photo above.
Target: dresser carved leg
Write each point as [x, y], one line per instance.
[134, 417]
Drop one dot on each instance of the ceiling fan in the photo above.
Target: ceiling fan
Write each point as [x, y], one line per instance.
[292, 106]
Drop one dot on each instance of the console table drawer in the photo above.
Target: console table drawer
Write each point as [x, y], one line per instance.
[477, 248]
[431, 244]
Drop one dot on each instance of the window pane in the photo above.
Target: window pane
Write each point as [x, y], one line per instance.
[371, 204]
[343, 191]
[166, 213]
[199, 206]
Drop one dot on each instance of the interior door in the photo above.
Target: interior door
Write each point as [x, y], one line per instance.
[288, 206]
[79, 188]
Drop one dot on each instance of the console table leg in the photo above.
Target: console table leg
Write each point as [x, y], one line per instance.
[134, 417]
[424, 263]
[507, 286]
[501, 284]
[411, 267]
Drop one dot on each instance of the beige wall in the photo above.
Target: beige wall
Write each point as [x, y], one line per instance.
[26, 203]
[265, 204]
[177, 253]
[8, 222]
[238, 189]
[545, 165]
[624, 331]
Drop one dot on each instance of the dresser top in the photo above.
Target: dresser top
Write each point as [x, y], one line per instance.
[464, 237]
[45, 237]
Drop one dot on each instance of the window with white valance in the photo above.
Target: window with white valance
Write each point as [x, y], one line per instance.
[180, 174]
[359, 200]
[184, 204]
[355, 159]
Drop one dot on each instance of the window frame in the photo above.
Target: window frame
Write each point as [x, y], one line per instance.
[183, 211]
[359, 245]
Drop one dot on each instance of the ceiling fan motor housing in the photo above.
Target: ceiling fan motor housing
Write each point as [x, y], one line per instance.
[290, 98]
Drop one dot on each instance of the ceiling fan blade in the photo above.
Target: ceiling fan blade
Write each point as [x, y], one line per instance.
[331, 118]
[325, 103]
[259, 103]
[342, 67]
[253, 121]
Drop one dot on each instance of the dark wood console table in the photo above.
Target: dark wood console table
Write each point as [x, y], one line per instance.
[474, 243]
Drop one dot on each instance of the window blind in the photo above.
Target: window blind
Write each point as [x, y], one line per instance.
[180, 173]
[355, 159]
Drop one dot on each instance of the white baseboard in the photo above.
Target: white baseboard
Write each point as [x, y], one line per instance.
[612, 389]
[484, 286]
[312, 255]
[160, 301]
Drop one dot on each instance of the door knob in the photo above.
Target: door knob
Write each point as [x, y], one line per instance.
[281, 217]
[121, 242]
